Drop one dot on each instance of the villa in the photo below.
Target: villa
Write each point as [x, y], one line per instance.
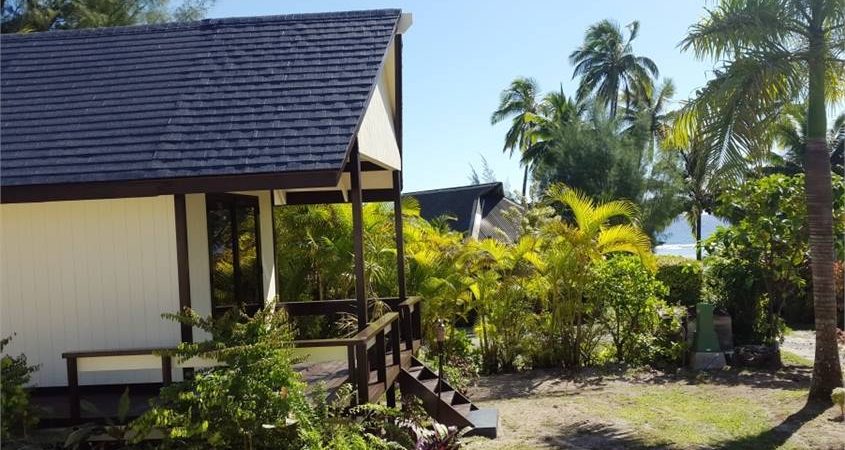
[139, 163]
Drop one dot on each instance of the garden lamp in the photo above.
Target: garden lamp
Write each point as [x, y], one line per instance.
[441, 338]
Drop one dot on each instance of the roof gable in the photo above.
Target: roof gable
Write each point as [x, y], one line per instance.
[216, 97]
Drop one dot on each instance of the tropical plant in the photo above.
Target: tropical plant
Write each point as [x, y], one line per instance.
[837, 396]
[117, 430]
[766, 247]
[519, 103]
[789, 131]
[588, 152]
[608, 67]
[701, 168]
[629, 300]
[15, 374]
[647, 116]
[683, 278]
[499, 279]
[777, 52]
[573, 244]
[439, 437]
[252, 399]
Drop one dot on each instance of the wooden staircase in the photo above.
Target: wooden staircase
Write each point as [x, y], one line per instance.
[444, 403]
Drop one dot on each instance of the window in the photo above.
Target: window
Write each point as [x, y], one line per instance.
[234, 255]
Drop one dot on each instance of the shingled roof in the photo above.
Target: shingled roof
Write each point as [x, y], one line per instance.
[254, 95]
[463, 203]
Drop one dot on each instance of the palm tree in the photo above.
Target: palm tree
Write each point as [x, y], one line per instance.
[790, 132]
[518, 102]
[573, 245]
[778, 52]
[700, 170]
[608, 66]
[557, 111]
[648, 114]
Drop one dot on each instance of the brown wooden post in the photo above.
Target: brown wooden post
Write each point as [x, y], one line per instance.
[394, 341]
[73, 388]
[183, 272]
[166, 370]
[400, 238]
[362, 373]
[358, 235]
[381, 357]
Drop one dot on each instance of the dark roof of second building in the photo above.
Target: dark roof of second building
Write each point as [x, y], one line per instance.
[213, 97]
[459, 203]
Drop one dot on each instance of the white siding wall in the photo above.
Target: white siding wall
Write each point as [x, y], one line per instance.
[86, 275]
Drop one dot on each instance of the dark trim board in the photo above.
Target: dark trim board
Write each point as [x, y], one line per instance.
[170, 186]
[326, 197]
[183, 270]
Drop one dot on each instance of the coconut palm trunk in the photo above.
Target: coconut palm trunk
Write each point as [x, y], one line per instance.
[525, 185]
[698, 235]
[827, 373]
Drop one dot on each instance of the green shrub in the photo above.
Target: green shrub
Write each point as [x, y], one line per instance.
[759, 263]
[683, 278]
[630, 303]
[17, 416]
[254, 400]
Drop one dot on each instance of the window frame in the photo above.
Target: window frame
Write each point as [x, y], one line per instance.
[233, 202]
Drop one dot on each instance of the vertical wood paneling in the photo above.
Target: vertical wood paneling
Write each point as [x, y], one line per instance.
[198, 265]
[268, 256]
[87, 275]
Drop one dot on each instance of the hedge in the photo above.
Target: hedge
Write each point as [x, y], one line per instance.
[682, 277]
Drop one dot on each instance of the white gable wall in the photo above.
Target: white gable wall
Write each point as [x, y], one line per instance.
[87, 275]
[377, 137]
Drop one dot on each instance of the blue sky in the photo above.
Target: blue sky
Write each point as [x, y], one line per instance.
[459, 55]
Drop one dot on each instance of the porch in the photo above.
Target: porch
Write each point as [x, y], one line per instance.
[371, 361]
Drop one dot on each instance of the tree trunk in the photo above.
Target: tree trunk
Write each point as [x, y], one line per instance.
[698, 235]
[525, 186]
[827, 373]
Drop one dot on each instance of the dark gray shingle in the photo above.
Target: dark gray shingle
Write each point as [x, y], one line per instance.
[219, 96]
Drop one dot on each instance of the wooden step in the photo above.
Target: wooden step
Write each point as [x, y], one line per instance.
[449, 407]
[463, 408]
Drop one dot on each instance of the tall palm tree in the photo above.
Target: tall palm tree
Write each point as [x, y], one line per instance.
[607, 65]
[778, 52]
[518, 102]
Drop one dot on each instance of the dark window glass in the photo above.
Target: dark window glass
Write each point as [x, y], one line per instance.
[234, 253]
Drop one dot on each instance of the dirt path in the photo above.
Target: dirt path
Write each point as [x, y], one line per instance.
[653, 410]
[803, 343]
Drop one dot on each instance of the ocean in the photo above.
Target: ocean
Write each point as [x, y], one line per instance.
[678, 238]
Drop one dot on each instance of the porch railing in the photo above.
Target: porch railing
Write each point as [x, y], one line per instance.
[367, 351]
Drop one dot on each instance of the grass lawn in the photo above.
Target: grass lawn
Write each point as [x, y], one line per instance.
[730, 409]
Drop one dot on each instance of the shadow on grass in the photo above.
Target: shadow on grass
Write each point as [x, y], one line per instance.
[591, 435]
[562, 382]
[786, 378]
[779, 434]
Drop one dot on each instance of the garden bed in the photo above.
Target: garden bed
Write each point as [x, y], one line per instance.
[730, 409]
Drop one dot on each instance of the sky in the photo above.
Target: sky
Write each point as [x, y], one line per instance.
[459, 55]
